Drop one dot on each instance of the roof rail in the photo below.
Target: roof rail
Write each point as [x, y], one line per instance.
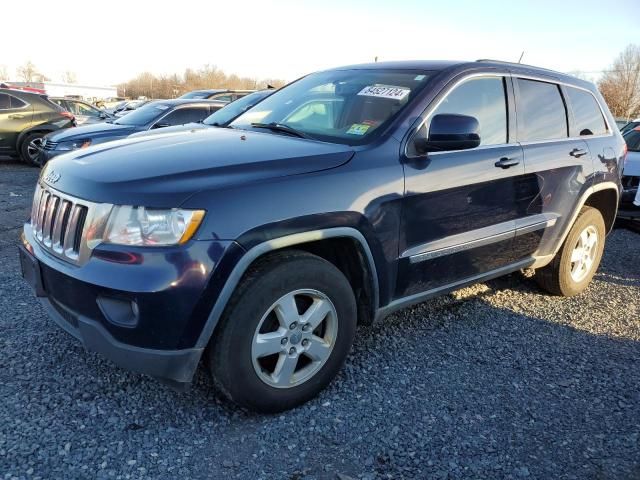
[496, 61]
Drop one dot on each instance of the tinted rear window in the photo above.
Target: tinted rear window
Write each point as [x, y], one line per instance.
[16, 102]
[587, 113]
[541, 111]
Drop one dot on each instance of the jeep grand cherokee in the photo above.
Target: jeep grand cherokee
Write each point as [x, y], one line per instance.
[341, 198]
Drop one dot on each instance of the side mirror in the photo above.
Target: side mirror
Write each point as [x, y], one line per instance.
[449, 131]
[103, 115]
[161, 125]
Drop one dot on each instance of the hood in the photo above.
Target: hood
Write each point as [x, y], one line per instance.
[632, 164]
[164, 170]
[169, 130]
[95, 131]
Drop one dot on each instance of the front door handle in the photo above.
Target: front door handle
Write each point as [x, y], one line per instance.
[506, 162]
[16, 116]
[578, 152]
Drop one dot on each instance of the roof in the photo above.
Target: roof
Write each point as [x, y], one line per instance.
[219, 90]
[435, 65]
[185, 101]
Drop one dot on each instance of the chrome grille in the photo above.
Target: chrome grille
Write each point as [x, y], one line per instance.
[49, 145]
[66, 226]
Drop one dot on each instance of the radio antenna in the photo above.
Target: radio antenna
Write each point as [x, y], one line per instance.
[521, 55]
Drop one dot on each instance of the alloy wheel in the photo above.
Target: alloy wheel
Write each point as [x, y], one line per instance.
[584, 254]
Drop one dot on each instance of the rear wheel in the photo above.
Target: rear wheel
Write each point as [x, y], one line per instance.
[576, 263]
[285, 333]
[30, 148]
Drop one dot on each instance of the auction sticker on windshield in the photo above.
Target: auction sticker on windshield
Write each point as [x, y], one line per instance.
[385, 91]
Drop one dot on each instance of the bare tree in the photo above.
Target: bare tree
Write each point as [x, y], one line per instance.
[620, 85]
[69, 77]
[27, 72]
[4, 72]
[170, 86]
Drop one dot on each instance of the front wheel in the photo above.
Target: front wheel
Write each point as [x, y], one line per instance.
[576, 263]
[30, 148]
[285, 334]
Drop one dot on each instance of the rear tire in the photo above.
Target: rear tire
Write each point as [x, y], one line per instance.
[576, 263]
[30, 148]
[269, 358]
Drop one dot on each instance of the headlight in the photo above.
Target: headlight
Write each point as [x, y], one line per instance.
[73, 145]
[150, 227]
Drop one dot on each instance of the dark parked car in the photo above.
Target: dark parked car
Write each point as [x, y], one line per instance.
[630, 126]
[630, 200]
[162, 113]
[343, 197]
[84, 112]
[221, 118]
[220, 94]
[25, 118]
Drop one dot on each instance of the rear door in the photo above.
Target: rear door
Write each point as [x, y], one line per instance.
[557, 166]
[16, 115]
[460, 207]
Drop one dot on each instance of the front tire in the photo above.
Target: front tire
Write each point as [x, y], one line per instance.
[576, 263]
[30, 148]
[285, 333]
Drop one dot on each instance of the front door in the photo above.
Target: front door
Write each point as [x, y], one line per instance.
[460, 207]
[15, 116]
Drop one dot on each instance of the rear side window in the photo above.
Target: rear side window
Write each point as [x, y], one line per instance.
[484, 99]
[5, 102]
[542, 114]
[16, 102]
[587, 113]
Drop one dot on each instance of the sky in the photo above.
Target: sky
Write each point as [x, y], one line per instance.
[106, 42]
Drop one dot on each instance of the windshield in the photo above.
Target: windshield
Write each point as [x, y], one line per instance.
[341, 106]
[228, 113]
[197, 95]
[143, 115]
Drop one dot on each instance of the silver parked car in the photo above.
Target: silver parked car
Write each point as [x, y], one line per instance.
[84, 112]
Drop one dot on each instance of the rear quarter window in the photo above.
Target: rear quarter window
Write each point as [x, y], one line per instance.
[541, 111]
[586, 113]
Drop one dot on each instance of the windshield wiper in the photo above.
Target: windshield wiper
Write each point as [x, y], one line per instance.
[281, 127]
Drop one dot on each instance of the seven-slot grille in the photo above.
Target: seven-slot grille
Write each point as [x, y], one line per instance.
[49, 145]
[58, 222]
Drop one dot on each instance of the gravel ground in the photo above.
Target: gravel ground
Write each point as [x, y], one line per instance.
[495, 381]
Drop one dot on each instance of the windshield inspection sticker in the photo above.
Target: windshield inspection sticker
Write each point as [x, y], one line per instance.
[358, 129]
[384, 91]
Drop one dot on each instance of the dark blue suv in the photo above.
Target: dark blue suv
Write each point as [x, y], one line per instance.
[339, 199]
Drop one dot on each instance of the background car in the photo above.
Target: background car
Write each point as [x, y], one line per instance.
[158, 114]
[220, 94]
[128, 107]
[630, 175]
[84, 112]
[25, 118]
[221, 118]
[630, 125]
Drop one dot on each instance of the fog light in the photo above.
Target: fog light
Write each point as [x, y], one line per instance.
[123, 313]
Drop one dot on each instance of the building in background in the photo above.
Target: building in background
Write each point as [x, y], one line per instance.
[71, 90]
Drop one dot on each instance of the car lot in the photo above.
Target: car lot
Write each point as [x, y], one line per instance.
[498, 380]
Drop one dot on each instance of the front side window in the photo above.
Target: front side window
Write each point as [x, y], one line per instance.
[343, 106]
[541, 111]
[587, 113]
[484, 99]
[5, 101]
[185, 115]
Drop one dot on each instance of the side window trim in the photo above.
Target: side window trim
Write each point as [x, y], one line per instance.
[448, 89]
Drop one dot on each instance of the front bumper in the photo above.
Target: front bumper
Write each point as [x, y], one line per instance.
[45, 155]
[144, 310]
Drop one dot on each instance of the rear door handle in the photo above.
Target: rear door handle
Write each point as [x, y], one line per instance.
[506, 162]
[578, 152]
[16, 116]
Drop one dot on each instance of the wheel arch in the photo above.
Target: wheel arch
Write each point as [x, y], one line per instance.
[317, 242]
[33, 129]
